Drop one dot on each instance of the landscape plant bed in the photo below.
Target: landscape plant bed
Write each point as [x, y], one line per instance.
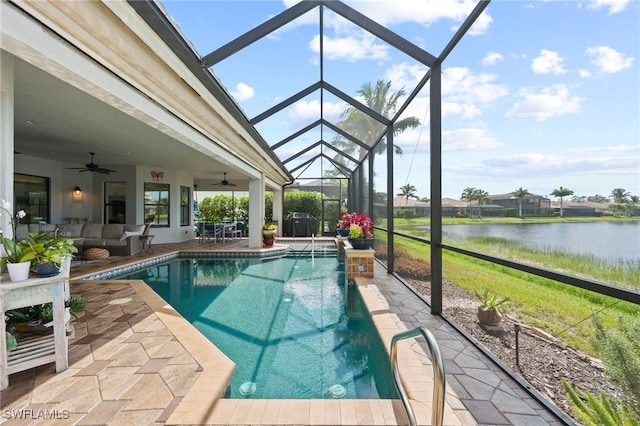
[543, 360]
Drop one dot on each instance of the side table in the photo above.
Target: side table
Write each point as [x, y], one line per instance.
[146, 242]
[54, 348]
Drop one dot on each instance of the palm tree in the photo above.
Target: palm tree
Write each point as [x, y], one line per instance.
[620, 195]
[475, 194]
[561, 193]
[366, 129]
[407, 191]
[520, 194]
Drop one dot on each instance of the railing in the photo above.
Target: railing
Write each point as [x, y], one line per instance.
[439, 382]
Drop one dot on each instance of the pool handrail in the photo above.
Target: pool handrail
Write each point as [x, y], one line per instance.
[439, 382]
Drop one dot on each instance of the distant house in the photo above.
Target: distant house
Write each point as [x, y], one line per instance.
[329, 188]
[532, 204]
[573, 208]
[450, 208]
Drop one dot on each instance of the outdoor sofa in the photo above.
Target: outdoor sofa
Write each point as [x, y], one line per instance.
[119, 239]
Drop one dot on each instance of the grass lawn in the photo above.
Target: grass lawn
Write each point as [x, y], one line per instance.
[562, 310]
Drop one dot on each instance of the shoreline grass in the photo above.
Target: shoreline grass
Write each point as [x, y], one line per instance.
[563, 310]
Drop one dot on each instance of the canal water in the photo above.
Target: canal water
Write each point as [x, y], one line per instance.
[610, 241]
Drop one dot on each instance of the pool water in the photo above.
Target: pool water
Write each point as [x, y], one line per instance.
[291, 325]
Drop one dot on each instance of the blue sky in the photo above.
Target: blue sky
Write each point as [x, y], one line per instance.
[537, 95]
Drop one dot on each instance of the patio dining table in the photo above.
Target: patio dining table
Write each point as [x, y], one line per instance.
[217, 231]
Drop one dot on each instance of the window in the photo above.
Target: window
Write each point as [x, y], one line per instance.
[156, 203]
[184, 205]
[115, 205]
[31, 194]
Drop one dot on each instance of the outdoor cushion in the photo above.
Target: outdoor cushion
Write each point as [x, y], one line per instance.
[112, 231]
[74, 230]
[92, 230]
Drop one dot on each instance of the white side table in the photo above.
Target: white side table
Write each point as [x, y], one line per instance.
[40, 351]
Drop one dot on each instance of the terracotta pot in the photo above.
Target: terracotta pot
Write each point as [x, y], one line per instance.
[268, 238]
[489, 317]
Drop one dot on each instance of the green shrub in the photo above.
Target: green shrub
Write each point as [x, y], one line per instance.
[604, 411]
[619, 350]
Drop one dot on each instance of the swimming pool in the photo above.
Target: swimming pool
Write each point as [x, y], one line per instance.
[291, 324]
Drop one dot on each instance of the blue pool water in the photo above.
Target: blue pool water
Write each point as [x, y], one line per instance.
[291, 325]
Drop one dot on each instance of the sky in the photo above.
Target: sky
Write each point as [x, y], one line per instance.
[538, 94]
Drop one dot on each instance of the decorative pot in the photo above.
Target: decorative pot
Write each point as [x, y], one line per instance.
[19, 271]
[343, 232]
[362, 243]
[268, 238]
[47, 269]
[489, 317]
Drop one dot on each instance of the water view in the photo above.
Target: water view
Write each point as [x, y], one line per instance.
[610, 241]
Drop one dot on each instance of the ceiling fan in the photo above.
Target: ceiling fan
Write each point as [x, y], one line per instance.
[224, 182]
[92, 167]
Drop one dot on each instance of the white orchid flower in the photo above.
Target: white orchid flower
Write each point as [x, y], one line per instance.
[6, 205]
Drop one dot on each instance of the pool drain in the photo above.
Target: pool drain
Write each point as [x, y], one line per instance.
[337, 391]
[247, 388]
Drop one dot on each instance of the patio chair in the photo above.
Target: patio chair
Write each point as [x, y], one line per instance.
[209, 231]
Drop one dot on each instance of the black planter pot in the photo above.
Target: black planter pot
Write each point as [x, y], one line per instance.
[362, 243]
[47, 269]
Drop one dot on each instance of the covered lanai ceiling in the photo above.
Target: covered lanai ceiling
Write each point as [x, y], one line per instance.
[324, 144]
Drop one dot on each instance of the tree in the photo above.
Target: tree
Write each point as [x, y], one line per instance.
[620, 195]
[561, 193]
[366, 129]
[520, 194]
[598, 198]
[475, 194]
[579, 198]
[407, 191]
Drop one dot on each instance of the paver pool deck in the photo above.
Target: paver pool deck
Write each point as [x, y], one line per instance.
[134, 360]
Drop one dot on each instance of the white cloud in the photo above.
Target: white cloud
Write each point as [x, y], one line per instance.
[558, 164]
[243, 92]
[352, 48]
[613, 148]
[304, 112]
[584, 73]
[468, 140]
[548, 62]
[460, 84]
[424, 12]
[464, 110]
[608, 60]
[614, 6]
[491, 58]
[550, 102]
[404, 76]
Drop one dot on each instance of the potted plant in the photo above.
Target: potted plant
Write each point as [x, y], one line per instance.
[48, 252]
[38, 319]
[360, 230]
[16, 256]
[268, 234]
[343, 224]
[488, 311]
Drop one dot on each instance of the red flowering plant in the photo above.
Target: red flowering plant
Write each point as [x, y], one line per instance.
[359, 225]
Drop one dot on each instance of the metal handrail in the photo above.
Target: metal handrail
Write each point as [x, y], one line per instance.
[439, 382]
